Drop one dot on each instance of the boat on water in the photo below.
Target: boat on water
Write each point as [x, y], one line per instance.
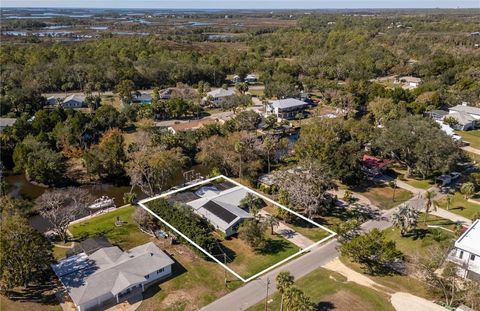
[102, 202]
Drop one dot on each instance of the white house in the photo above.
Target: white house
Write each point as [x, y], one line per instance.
[466, 253]
[466, 116]
[220, 206]
[287, 108]
[251, 78]
[109, 275]
[74, 101]
[219, 95]
[408, 82]
[4, 122]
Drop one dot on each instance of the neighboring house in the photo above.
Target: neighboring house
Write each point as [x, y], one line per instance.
[287, 108]
[89, 246]
[190, 125]
[408, 82]
[142, 99]
[466, 253]
[219, 95]
[236, 79]
[251, 78]
[221, 207]
[437, 115]
[51, 101]
[373, 166]
[109, 275]
[466, 116]
[74, 101]
[4, 122]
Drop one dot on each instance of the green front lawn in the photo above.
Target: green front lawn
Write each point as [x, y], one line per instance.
[460, 206]
[399, 172]
[473, 137]
[308, 230]
[419, 240]
[327, 289]
[381, 195]
[247, 262]
[125, 236]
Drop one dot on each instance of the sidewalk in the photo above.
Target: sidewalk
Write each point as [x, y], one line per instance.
[290, 234]
[471, 149]
[440, 212]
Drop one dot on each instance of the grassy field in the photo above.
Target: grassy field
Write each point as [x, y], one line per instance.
[400, 283]
[10, 305]
[419, 240]
[459, 205]
[195, 283]
[473, 137]
[381, 195]
[399, 172]
[125, 236]
[248, 262]
[330, 291]
[301, 226]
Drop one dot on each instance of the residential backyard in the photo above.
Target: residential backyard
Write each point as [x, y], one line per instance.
[459, 205]
[126, 235]
[331, 291]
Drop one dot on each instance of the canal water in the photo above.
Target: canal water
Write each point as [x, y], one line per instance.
[19, 187]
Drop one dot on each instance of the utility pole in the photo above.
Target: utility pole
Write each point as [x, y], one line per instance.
[266, 298]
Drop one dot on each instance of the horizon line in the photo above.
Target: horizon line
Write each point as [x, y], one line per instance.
[237, 9]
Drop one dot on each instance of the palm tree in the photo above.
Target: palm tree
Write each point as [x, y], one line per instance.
[284, 281]
[405, 219]
[449, 201]
[240, 148]
[252, 203]
[429, 204]
[271, 221]
[295, 300]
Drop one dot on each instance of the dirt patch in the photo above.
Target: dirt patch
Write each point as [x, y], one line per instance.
[344, 300]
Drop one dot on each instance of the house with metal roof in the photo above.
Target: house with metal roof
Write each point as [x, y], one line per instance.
[221, 207]
[287, 108]
[466, 253]
[109, 275]
[219, 95]
[74, 101]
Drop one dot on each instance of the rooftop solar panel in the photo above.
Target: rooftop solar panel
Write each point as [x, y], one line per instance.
[219, 211]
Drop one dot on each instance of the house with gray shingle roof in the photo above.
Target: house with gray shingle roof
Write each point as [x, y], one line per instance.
[221, 207]
[74, 101]
[467, 117]
[110, 275]
[287, 108]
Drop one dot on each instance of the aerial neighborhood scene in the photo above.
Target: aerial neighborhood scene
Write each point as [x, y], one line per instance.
[240, 155]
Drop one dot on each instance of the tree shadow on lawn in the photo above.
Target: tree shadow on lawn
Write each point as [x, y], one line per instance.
[273, 247]
[325, 306]
[40, 293]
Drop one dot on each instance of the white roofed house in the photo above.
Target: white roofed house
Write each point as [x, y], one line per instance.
[4, 122]
[219, 95]
[220, 207]
[74, 101]
[467, 117]
[287, 108]
[109, 275]
[466, 253]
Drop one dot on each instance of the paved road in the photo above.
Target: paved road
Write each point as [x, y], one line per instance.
[255, 291]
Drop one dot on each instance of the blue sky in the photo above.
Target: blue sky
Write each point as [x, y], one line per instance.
[244, 4]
